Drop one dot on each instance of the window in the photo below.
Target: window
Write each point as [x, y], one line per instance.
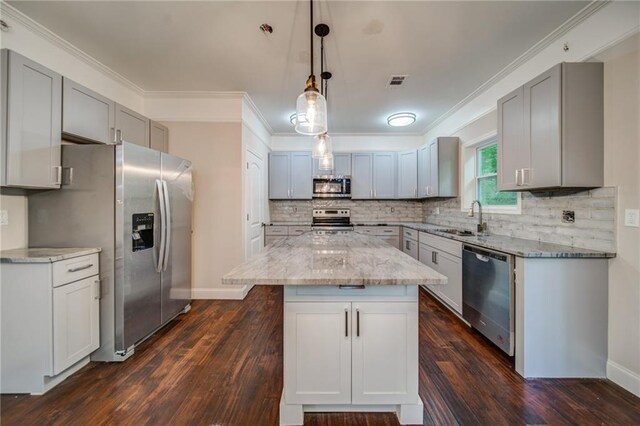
[486, 180]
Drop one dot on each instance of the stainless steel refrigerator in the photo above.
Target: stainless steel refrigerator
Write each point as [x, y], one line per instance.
[135, 204]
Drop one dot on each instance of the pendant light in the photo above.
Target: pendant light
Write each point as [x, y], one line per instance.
[311, 106]
[322, 148]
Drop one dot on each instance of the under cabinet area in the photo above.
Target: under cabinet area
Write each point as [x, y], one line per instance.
[444, 256]
[50, 320]
[551, 130]
[31, 117]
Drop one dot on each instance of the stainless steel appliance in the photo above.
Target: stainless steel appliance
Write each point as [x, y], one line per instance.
[488, 294]
[332, 187]
[331, 221]
[135, 204]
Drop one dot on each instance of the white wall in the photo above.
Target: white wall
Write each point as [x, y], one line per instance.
[349, 143]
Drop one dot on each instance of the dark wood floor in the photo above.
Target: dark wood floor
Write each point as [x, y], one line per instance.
[221, 364]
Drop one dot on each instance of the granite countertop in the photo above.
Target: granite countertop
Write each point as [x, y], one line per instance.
[288, 224]
[516, 246]
[311, 259]
[43, 255]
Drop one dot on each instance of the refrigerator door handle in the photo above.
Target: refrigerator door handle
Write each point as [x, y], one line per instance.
[167, 226]
[163, 225]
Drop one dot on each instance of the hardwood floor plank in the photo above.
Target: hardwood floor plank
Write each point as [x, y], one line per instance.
[221, 364]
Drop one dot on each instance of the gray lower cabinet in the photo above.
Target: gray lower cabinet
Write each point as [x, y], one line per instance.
[444, 256]
[408, 174]
[158, 137]
[361, 176]
[551, 130]
[341, 166]
[290, 175]
[86, 115]
[31, 111]
[131, 127]
[438, 168]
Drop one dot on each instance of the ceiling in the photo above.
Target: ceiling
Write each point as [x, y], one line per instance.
[448, 49]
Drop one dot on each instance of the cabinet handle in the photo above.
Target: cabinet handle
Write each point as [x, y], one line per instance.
[517, 177]
[357, 322]
[58, 175]
[415, 192]
[346, 323]
[435, 257]
[97, 290]
[406, 244]
[80, 268]
[526, 181]
[114, 137]
[118, 137]
[69, 178]
[371, 193]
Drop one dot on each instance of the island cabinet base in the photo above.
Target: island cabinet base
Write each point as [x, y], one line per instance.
[350, 349]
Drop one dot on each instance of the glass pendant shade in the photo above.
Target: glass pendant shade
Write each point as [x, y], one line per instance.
[326, 162]
[311, 113]
[321, 146]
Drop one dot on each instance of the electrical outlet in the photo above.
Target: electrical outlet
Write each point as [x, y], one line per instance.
[393, 209]
[632, 217]
[4, 217]
[437, 210]
[568, 216]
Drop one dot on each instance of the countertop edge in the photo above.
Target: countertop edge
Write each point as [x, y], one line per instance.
[7, 257]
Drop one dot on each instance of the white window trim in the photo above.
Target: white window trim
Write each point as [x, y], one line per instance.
[469, 176]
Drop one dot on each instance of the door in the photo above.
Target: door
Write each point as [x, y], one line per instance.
[176, 267]
[433, 183]
[317, 352]
[33, 126]
[426, 255]
[301, 179]
[86, 115]
[159, 137]
[254, 202]
[384, 175]
[513, 147]
[542, 127]
[131, 126]
[362, 175]
[385, 352]
[137, 289]
[279, 175]
[76, 322]
[423, 171]
[342, 164]
[408, 174]
[451, 267]
[411, 248]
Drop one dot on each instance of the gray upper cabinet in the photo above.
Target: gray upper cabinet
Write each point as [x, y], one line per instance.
[290, 176]
[341, 166]
[384, 175]
[361, 176]
[86, 115]
[131, 127]
[551, 130]
[408, 174]
[438, 164]
[159, 137]
[31, 111]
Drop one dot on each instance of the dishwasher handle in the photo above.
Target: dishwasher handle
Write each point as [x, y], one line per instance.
[485, 255]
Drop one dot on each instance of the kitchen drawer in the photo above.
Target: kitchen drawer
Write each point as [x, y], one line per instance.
[379, 231]
[276, 230]
[302, 293]
[443, 244]
[74, 269]
[298, 230]
[412, 234]
[273, 238]
[410, 247]
[394, 240]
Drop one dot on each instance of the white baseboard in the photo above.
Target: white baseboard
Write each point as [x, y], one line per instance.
[222, 292]
[623, 377]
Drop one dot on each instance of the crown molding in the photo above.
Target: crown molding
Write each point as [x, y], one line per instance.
[572, 22]
[403, 134]
[9, 11]
[177, 94]
[252, 106]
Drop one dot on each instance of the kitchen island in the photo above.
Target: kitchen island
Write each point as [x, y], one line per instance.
[350, 323]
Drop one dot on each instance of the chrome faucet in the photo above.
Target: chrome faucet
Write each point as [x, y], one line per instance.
[482, 226]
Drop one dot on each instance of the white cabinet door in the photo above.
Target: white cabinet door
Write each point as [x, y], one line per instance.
[411, 248]
[342, 164]
[279, 175]
[32, 107]
[451, 267]
[393, 240]
[423, 171]
[408, 174]
[159, 137]
[301, 180]
[385, 352]
[362, 175]
[86, 115]
[433, 183]
[76, 326]
[132, 127]
[384, 175]
[426, 256]
[513, 148]
[317, 352]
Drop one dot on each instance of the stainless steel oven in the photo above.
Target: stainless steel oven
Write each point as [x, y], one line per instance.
[332, 187]
[331, 221]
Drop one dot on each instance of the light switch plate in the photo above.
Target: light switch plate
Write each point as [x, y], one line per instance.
[4, 217]
[632, 217]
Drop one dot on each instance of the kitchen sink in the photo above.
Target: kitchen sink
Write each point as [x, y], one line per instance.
[458, 232]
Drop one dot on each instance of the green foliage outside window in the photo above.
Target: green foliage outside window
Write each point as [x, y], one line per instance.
[487, 179]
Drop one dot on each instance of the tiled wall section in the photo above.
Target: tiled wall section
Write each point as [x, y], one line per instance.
[362, 211]
[541, 218]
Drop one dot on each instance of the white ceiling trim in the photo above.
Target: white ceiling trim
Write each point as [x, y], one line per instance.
[252, 106]
[194, 95]
[41, 31]
[395, 134]
[576, 19]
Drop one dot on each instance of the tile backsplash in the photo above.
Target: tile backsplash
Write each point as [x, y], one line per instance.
[541, 218]
[362, 211]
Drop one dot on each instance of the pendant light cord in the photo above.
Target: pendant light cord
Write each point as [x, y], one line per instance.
[311, 32]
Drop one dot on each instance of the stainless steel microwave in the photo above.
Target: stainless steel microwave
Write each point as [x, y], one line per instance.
[332, 187]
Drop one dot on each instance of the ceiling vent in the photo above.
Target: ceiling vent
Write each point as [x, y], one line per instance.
[397, 80]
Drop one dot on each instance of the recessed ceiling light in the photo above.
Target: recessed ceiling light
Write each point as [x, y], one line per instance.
[401, 119]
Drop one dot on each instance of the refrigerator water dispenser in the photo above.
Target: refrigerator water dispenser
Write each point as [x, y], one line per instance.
[142, 232]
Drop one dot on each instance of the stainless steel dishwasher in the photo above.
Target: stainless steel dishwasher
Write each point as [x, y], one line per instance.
[488, 294]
